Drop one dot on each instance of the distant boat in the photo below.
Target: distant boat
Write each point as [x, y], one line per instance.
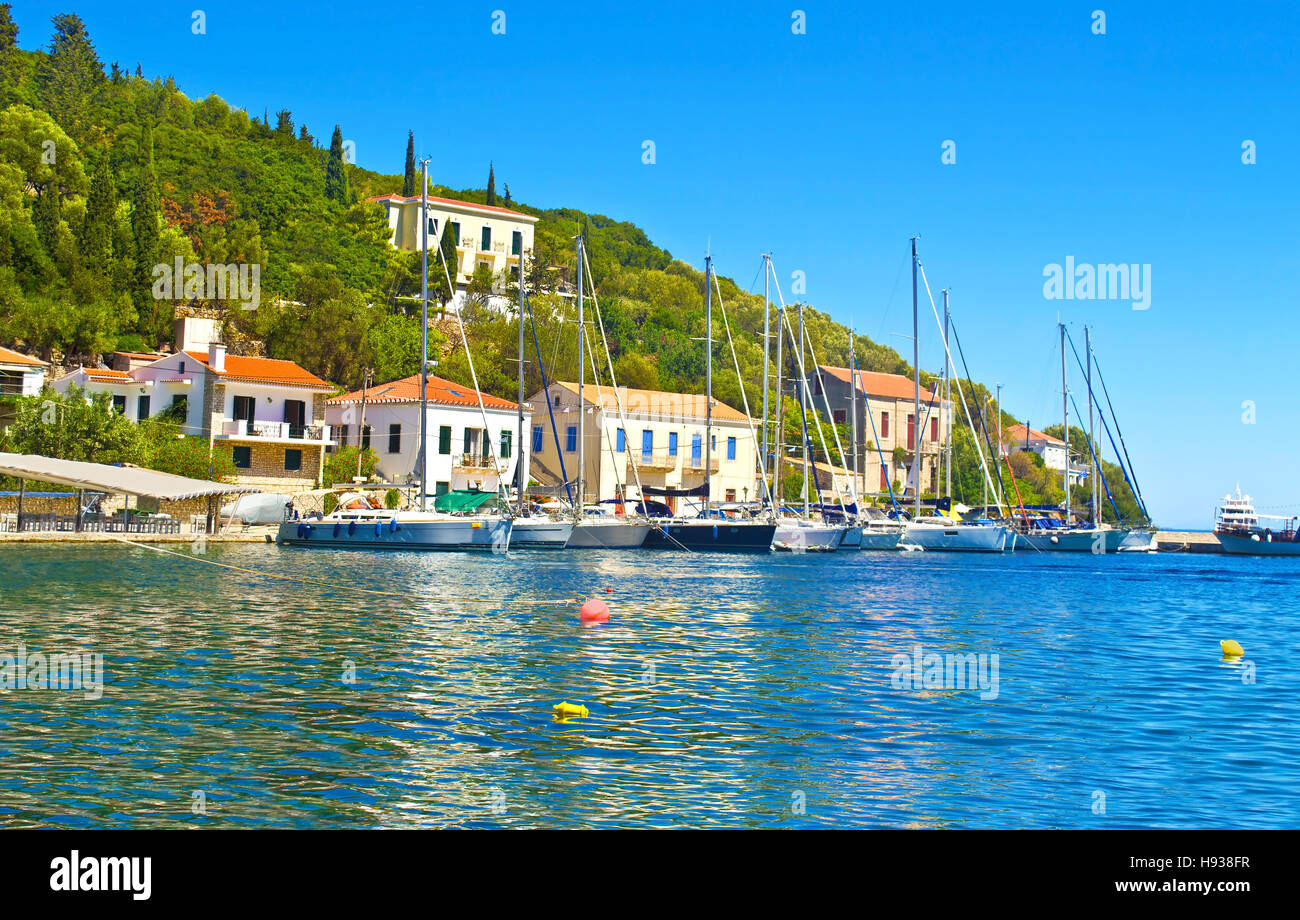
[1240, 531]
[802, 535]
[382, 529]
[711, 534]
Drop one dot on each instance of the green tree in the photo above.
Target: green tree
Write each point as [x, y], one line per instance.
[336, 180]
[408, 179]
[492, 186]
[101, 214]
[144, 218]
[71, 76]
[341, 466]
[74, 426]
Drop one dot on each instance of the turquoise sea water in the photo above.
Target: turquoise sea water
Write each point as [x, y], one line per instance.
[737, 691]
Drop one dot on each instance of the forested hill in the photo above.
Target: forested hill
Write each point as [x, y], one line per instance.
[106, 172]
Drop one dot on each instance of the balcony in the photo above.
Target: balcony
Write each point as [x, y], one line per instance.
[696, 464]
[653, 462]
[473, 463]
[272, 432]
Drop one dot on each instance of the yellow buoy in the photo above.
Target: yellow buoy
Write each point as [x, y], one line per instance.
[1231, 649]
[569, 710]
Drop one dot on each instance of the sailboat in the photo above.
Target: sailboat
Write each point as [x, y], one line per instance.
[355, 525]
[936, 531]
[1071, 534]
[713, 530]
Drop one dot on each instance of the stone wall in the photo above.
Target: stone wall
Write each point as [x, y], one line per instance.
[267, 470]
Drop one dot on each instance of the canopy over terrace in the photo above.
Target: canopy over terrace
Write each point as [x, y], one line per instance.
[124, 480]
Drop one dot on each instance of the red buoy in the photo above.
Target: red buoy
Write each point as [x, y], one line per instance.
[594, 611]
[609, 590]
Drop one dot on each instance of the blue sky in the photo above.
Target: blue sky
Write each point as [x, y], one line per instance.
[824, 149]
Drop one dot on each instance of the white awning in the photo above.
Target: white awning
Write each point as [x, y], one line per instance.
[102, 477]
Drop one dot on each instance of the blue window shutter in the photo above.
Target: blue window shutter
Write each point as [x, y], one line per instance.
[537, 440]
[731, 448]
[620, 442]
[672, 444]
[571, 442]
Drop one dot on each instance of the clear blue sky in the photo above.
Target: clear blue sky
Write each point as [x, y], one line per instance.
[824, 149]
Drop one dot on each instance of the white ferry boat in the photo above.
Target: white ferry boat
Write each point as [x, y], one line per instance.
[1240, 529]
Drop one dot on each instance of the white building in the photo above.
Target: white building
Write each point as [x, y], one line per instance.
[20, 375]
[267, 415]
[1023, 438]
[664, 441]
[485, 234]
[462, 454]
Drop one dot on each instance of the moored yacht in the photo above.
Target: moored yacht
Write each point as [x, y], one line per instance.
[1240, 529]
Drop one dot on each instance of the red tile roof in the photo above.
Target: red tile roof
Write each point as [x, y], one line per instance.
[687, 405]
[472, 205]
[9, 356]
[440, 392]
[264, 370]
[1015, 434]
[890, 386]
[101, 373]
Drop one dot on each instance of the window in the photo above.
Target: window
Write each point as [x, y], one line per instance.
[244, 408]
[182, 368]
[731, 495]
[538, 434]
[884, 478]
[697, 447]
[341, 435]
[293, 459]
[394, 438]
[647, 443]
[911, 431]
[444, 439]
[242, 454]
[516, 243]
[731, 448]
[119, 405]
[142, 408]
[672, 444]
[455, 231]
[817, 385]
[433, 228]
[840, 416]
[506, 444]
[557, 399]
[713, 444]
[441, 488]
[469, 440]
[295, 416]
[487, 240]
[183, 401]
[934, 429]
[884, 425]
[571, 439]
[620, 441]
[365, 438]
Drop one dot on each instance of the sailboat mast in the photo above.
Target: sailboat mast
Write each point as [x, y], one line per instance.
[767, 347]
[424, 332]
[916, 395]
[780, 408]
[1092, 433]
[519, 444]
[708, 382]
[1065, 417]
[582, 412]
[947, 401]
[803, 411]
[853, 410]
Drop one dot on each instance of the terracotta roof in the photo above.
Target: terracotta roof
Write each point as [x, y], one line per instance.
[1015, 434]
[263, 370]
[690, 405]
[150, 355]
[471, 205]
[9, 356]
[100, 373]
[440, 392]
[891, 386]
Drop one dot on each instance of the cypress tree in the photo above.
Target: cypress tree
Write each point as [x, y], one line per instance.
[144, 218]
[507, 200]
[284, 122]
[101, 207]
[448, 249]
[492, 186]
[408, 181]
[71, 74]
[46, 214]
[336, 180]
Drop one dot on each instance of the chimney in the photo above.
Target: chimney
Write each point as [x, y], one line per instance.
[217, 357]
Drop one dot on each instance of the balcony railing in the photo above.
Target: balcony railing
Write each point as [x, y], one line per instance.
[473, 461]
[649, 460]
[696, 464]
[242, 428]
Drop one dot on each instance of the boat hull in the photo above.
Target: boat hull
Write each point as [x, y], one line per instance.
[718, 536]
[806, 537]
[852, 538]
[1073, 541]
[957, 538]
[608, 535]
[539, 533]
[1244, 545]
[468, 534]
[879, 539]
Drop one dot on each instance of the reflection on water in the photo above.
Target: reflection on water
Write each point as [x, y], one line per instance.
[725, 691]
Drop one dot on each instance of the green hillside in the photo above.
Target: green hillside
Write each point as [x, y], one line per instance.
[105, 173]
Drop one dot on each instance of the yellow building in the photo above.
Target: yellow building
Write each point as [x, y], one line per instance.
[663, 442]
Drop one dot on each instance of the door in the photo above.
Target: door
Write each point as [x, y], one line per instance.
[295, 416]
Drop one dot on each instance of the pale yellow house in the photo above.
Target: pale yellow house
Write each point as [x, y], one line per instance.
[663, 441]
[485, 235]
